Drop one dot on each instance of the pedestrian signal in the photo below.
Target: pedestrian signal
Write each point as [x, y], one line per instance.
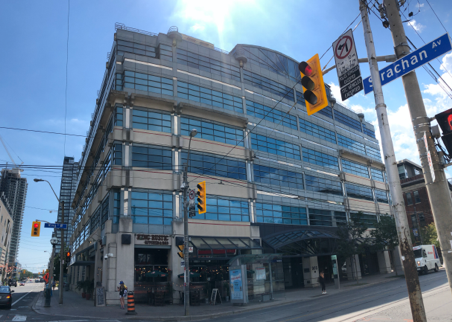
[35, 229]
[201, 197]
[444, 120]
[313, 85]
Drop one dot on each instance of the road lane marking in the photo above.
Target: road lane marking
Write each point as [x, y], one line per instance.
[21, 298]
[20, 318]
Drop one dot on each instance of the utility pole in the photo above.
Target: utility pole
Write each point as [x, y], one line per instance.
[437, 189]
[406, 247]
[62, 257]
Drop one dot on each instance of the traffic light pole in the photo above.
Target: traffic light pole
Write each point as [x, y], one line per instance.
[406, 247]
[62, 257]
[438, 190]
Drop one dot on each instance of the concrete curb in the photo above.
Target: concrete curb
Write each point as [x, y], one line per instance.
[207, 316]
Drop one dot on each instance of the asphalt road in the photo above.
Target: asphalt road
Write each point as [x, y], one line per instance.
[381, 302]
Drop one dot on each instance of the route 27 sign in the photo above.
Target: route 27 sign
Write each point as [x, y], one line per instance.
[410, 62]
[347, 65]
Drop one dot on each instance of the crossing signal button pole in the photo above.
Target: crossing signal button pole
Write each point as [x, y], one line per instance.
[444, 120]
[201, 197]
[35, 229]
[313, 85]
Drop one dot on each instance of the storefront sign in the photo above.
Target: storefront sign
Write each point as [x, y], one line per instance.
[156, 240]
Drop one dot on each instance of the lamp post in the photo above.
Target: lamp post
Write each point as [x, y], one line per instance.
[185, 187]
[62, 253]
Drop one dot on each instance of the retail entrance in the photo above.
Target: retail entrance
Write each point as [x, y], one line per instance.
[293, 272]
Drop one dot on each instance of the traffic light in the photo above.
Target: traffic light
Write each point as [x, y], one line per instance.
[35, 229]
[68, 254]
[313, 85]
[444, 120]
[201, 197]
[181, 253]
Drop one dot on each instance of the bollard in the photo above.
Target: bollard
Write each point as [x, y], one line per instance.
[130, 304]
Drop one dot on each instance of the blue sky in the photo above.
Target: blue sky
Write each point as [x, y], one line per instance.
[32, 86]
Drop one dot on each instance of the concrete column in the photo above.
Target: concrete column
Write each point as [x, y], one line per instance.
[353, 268]
[397, 261]
[125, 254]
[311, 278]
[384, 262]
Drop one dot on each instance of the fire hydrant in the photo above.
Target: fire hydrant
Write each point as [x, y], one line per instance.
[47, 295]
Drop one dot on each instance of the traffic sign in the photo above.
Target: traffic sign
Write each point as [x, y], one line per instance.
[191, 194]
[54, 225]
[347, 65]
[410, 62]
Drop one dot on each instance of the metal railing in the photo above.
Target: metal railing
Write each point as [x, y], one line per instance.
[124, 27]
[173, 29]
[221, 50]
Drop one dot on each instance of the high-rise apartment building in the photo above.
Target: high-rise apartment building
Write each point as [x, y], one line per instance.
[6, 225]
[67, 192]
[15, 191]
[278, 180]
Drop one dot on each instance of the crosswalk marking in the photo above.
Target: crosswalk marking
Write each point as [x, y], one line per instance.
[20, 318]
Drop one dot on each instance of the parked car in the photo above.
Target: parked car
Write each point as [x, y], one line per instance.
[6, 296]
[426, 258]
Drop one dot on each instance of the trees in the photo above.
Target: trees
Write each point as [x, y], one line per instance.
[385, 235]
[351, 241]
[429, 235]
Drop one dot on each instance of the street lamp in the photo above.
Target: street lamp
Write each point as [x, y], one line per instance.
[185, 187]
[62, 253]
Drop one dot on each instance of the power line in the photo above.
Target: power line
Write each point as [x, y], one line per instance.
[436, 15]
[40, 131]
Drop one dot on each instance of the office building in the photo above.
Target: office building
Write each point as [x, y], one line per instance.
[67, 192]
[15, 191]
[278, 180]
[6, 225]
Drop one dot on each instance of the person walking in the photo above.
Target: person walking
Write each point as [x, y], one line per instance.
[122, 293]
[322, 282]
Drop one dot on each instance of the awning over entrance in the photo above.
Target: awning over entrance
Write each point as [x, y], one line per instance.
[82, 258]
[309, 241]
[221, 246]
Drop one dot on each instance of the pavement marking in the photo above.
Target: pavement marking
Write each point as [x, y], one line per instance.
[20, 318]
[21, 298]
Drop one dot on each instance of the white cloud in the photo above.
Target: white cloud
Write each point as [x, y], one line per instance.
[335, 89]
[417, 26]
[419, 5]
[197, 27]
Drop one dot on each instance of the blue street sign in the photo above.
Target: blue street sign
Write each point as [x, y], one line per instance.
[410, 62]
[57, 226]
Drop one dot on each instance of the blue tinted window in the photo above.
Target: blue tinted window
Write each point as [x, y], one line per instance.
[318, 217]
[165, 52]
[381, 196]
[270, 145]
[151, 120]
[350, 144]
[376, 174]
[279, 214]
[226, 209]
[368, 131]
[267, 85]
[373, 153]
[347, 120]
[270, 114]
[207, 64]
[215, 165]
[368, 219]
[355, 168]
[154, 157]
[118, 120]
[212, 131]
[317, 131]
[135, 48]
[323, 185]
[279, 177]
[341, 218]
[360, 192]
[153, 208]
[319, 158]
[210, 97]
[144, 82]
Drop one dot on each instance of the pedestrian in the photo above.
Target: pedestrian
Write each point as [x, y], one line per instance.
[53, 285]
[322, 282]
[122, 293]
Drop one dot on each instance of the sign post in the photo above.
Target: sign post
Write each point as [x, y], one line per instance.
[347, 65]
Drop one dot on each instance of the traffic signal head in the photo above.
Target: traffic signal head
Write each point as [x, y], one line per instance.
[444, 120]
[313, 85]
[35, 229]
[181, 253]
[68, 254]
[201, 197]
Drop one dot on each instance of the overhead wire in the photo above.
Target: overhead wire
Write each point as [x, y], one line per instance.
[436, 15]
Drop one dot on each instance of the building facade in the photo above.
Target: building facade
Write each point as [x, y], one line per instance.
[68, 186]
[417, 202]
[278, 180]
[15, 191]
[6, 228]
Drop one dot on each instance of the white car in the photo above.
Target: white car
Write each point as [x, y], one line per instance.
[426, 258]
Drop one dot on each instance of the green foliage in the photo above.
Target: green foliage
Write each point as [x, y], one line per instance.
[385, 234]
[429, 235]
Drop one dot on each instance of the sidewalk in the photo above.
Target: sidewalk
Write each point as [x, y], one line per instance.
[76, 306]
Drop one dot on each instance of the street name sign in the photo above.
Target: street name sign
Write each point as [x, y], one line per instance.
[347, 65]
[410, 62]
[54, 225]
